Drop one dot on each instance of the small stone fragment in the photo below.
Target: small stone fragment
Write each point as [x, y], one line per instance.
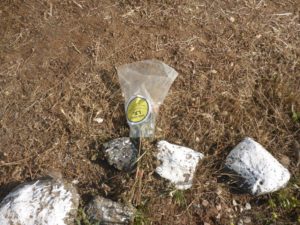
[248, 206]
[44, 202]
[205, 203]
[285, 161]
[232, 19]
[247, 220]
[108, 212]
[121, 153]
[178, 164]
[234, 203]
[219, 191]
[261, 172]
[258, 36]
[98, 120]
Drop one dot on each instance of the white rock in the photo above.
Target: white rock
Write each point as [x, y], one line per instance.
[43, 202]
[234, 203]
[232, 19]
[178, 164]
[98, 120]
[260, 170]
[248, 206]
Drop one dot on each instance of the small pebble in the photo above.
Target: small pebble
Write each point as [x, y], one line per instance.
[285, 161]
[205, 203]
[234, 202]
[247, 220]
[98, 120]
[248, 206]
[232, 19]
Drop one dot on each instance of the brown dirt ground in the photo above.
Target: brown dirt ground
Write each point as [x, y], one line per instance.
[239, 75]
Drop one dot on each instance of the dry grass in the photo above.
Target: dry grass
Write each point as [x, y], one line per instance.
[239, 75]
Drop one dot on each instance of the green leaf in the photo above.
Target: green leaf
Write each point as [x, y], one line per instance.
[296, 116]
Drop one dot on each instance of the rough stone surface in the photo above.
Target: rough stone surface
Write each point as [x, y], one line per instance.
[43, 202]
[260, 170]
[178, 164]
[121, 153]
[107, 212]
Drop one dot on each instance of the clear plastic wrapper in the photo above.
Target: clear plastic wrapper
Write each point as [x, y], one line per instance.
[145, 85]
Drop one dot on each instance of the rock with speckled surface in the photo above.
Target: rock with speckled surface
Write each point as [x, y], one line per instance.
[108, 212]
[178, 164]
[45, 202]
[261, 172]
[121, 153]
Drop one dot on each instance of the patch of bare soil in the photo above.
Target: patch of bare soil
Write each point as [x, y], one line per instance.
[239, 75]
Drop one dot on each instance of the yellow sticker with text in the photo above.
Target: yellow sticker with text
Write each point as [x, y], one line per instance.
[137, 110]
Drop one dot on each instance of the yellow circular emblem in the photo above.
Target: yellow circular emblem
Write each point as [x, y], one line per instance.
[137, 109]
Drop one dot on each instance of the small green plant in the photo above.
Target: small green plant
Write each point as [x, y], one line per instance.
[274, 216]
[296, 116]
[178, 198]
[285, 203]
[272, 203]
[140, 218]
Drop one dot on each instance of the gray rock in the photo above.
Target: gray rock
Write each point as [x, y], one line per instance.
[121, 153]
[261, 172]
[43, 202]
[108, 212]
